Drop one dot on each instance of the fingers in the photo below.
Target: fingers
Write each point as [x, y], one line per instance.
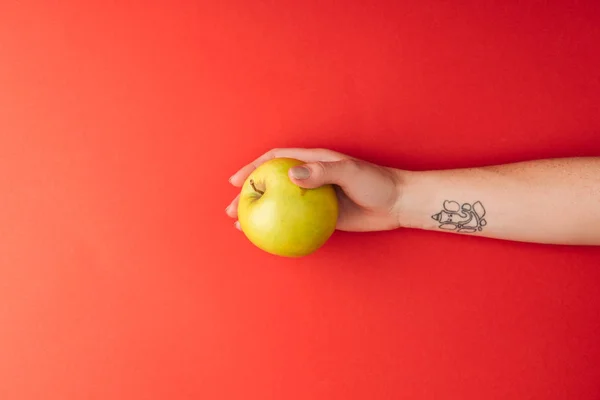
[313, 156]
[315, 174]
[366, 184]
[306, 155]
[231, 209]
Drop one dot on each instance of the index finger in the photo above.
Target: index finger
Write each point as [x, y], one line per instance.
[306, 155]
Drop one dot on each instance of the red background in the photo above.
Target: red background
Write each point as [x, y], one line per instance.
[122, 278]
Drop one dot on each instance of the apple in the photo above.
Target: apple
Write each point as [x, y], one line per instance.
[280, 217]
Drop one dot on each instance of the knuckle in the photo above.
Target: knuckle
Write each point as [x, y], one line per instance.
[269, 155]
[319, 168]
[273, 152]
[351, 165]
[325, 154]
[336, 171]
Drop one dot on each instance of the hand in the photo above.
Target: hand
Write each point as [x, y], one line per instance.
[368, 194]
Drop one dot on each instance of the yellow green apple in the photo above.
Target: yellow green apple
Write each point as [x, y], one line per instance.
[282, 218]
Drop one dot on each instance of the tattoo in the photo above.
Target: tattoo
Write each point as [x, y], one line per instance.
[466, 218]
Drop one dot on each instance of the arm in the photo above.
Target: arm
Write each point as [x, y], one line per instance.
[553, 201]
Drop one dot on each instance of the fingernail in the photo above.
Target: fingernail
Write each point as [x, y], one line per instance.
[227, 208]
[237, 225]
[300, 172]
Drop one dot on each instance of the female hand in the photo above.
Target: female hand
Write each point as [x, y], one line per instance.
[368, 194]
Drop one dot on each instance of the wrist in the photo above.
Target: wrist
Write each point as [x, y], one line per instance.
[410, 205]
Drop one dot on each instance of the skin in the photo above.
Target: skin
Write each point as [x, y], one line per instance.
[282, 218]
[553, 201]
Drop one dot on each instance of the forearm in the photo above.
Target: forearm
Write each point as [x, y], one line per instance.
[547, 201]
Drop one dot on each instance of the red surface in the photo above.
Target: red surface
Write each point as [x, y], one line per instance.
[122, 278]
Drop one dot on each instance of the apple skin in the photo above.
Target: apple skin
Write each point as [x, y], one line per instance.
[286, 220]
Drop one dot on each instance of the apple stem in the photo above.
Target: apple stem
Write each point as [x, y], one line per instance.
[255, 189]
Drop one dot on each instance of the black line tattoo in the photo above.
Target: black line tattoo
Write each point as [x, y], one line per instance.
[466, 218]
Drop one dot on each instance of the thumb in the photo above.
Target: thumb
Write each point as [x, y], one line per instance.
[313, 175]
